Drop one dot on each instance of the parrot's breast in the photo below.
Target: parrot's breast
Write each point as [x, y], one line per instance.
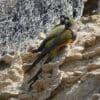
[70, 41]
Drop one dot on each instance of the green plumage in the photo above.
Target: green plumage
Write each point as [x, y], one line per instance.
[59, 40]
[56, 30]
[48, 43]
[59, 37]
[53, 34]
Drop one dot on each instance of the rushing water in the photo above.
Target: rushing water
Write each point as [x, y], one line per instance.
[22, 20]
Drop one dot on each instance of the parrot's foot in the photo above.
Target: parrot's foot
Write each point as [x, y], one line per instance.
[34, 79]
[70, 45]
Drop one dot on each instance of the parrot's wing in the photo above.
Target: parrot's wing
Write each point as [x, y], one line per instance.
[56, 26]
[56, 30]
[51, 55]
[61, 39]
[38, 59]
[44, 45]
[53, 34]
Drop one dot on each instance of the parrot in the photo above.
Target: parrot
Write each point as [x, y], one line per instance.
[60, 36]
[55, 31]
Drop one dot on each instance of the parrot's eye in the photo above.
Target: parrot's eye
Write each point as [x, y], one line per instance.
[62, 19]
[67, 18]
[67, 22]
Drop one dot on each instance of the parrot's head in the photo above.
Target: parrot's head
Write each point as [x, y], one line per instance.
[67, 22]
[62, 19]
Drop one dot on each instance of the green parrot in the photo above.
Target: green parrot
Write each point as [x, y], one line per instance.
[60, 36]
[55, 31]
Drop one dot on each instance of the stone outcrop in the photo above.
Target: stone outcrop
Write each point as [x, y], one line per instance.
[92, 7]
[22, 20]
[73, 75]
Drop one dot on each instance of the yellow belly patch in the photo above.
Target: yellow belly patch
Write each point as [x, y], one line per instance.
[70, 41]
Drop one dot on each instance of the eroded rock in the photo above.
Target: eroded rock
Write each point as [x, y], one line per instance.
[73, 75]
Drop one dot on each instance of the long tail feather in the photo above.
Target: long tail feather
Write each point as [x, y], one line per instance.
[35, 50]
[48, 60]
[36, 62]
[34, 78]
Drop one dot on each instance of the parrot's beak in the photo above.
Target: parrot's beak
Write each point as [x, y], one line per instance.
[66, 21]
[62, 19]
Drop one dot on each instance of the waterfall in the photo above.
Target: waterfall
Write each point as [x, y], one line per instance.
[22, 20]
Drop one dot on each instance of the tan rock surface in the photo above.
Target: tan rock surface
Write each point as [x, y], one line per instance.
[73, 75]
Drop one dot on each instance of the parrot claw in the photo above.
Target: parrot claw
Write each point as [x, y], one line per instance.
[68, 46]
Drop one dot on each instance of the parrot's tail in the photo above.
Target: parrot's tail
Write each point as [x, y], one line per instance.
[35, 50]
[36, 61]
[34, 78]
[48, 59]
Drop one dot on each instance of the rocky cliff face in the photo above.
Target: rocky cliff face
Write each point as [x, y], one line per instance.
[73, 75]
[22, 20]
[91, 7]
